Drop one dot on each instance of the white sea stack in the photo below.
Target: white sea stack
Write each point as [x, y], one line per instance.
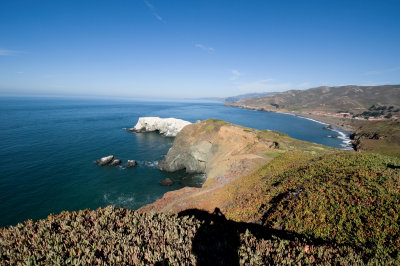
[168, 127]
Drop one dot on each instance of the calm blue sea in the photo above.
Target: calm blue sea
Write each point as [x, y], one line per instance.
[48, 147]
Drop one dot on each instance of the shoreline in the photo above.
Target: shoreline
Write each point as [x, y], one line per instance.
[344, 135]
[343, 126]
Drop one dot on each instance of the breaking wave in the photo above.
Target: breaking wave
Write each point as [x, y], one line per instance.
[127, 200]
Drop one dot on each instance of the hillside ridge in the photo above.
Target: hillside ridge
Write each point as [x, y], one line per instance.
[350, 98]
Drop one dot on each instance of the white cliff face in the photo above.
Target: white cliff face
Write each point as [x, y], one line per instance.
[169, 127]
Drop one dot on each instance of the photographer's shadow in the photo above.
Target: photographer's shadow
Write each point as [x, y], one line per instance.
[217, 240]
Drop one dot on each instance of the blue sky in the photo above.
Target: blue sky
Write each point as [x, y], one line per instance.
[170, 48]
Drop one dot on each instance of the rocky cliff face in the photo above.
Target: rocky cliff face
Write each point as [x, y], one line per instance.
[224, 152]
[193, 158]
[213, 147]
[168, 127]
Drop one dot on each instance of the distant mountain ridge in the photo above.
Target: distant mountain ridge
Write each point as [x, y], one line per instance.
[246, 96]
[233, 99]
[350, 98]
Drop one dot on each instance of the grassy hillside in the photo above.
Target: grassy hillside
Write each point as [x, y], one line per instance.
[378, 136]
[338, 208]
[344, 198]
[355, 99]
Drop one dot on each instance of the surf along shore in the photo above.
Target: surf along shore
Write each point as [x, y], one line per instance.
[343, 126]
[343, 123]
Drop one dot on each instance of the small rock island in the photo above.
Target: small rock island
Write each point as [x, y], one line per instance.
[168, 127]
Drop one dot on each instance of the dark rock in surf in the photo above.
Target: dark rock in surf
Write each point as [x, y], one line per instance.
[167, 182]
[115, 162]
[130, 163]
[109, 160]
[329, 127]
[105, 160]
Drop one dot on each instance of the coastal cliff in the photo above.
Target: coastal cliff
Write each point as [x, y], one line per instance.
[213, 145]
[223, 152]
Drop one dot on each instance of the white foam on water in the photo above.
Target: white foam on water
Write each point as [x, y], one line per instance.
[319, 122]
[128, 200]
[121, 200]
[152, 164]
[346, 142]
[288, 114]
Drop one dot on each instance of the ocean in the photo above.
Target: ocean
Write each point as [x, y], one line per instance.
[48, 147]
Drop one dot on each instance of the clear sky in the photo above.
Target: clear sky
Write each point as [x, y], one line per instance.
[195, 48]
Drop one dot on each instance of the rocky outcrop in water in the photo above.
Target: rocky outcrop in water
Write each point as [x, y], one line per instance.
[193, 158]
[130, 163]
[167, 182]
[105, 160]
[115, 162]
[168, 127]
[109, 160]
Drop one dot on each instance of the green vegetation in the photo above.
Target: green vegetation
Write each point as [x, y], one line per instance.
[378, 136]
[340, 198]
[120, 236]
[213, 125]
[367, 114]
[108, 235]
[377, 111]
[284, 143]
[345, 198]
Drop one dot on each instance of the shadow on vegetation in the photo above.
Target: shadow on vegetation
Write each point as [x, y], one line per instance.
[282, 199]
[391, 166]
[217, 241]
